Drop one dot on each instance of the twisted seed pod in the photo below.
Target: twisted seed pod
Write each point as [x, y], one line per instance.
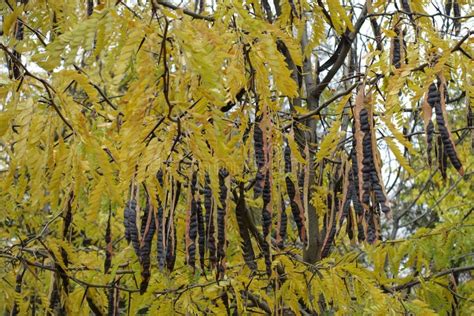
[113, 300]
[259, 157]
[457, 14]
[448, 144]
[441, 156]
[396, 49]
[221, 213]
[429, 139]
[108, 242]
[246, 243]
[371, 229]
[296, 206]
[90, 7]
[127, 215]
[434, 96]
[132, 227]
[210, 229]
[267, 220]
[148, 230]
[201, 232]
[330, 220]
[448, 6]
[170, 244]
[355, 184]
[68, 216]
[191, 224]
[160, 247]
[406, 6]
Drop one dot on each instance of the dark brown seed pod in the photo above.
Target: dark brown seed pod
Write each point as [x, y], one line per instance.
[267, 220]
[210, 227]
[259, 158]
[170, 244]
[242, 223]
[429, 139]
[396, 50]
[295, 202]
[457, 14]
[333, 205]
[68, 215]
[447, 7]
[90, 7]
[434, 96]
[94, 308]
[191, 223]
[127, 214]
[160, 247]
[108, 242]
[113, 300]
[406, 6]
[148, 231]
[201, 232]
[441, 156]
[221, 214]
[132, 227]
[448, 144]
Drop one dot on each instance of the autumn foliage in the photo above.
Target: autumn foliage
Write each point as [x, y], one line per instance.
[236, 157]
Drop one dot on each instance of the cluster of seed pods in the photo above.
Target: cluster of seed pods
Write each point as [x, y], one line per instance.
[296, 197]
[435, 99]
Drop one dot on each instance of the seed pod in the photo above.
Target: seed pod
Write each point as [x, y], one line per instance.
[108, 242]
[448, 6]
[457, 14]
[246, 243]
[442, 122]
[170, 244]
[397, 48]
[366, 168]
[434, 96]
[90, 7]
[148, 230]
[267, 220]
[127, 214]
[160, 247]
[201, 232]
[441, 156]
[132, 226]
[221, 214]
[329, 230]
[191, 223]
[429, 139]
[259, 157]
[68, 216]
[406, 6]
[295, 201]
[113, 298]
[210, 229]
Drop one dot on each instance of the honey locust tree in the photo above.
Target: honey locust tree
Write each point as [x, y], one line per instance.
[236, 157]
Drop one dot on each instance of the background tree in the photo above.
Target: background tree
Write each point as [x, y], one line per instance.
[285, 157]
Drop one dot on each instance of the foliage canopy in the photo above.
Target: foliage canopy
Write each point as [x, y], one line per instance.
[285, 157]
